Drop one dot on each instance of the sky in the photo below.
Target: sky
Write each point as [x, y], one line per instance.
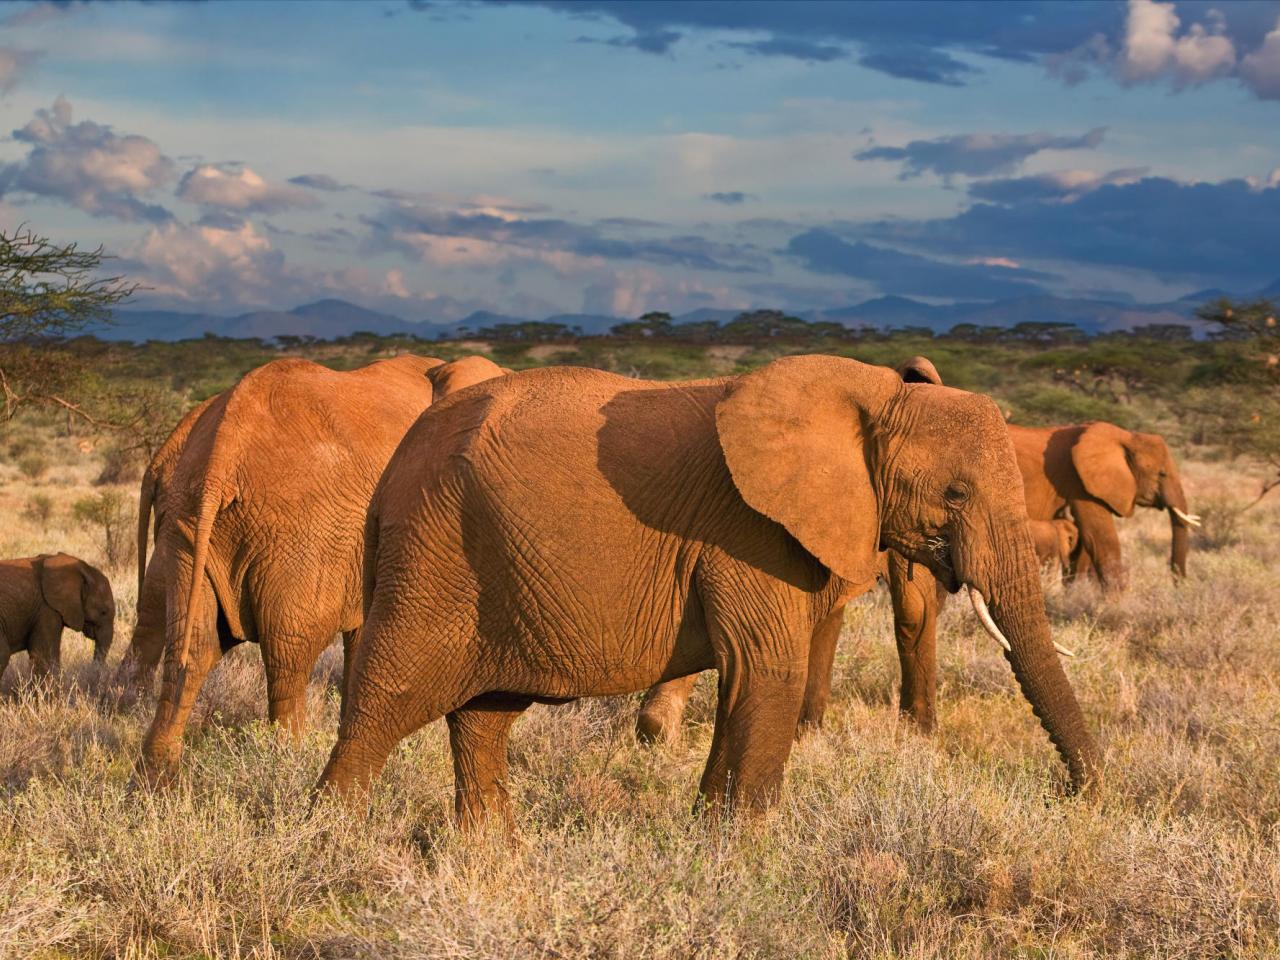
[429, 159]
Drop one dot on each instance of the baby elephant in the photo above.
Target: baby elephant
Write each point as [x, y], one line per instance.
[1055, 541]
[41, 595]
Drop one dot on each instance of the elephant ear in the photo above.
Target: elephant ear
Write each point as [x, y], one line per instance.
[1100, 458]
[919, 370]
[796, 438]
[62, 584]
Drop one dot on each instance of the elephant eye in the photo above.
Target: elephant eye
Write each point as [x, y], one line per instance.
[956, 494]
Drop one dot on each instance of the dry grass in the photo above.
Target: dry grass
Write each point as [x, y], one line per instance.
[886, 845]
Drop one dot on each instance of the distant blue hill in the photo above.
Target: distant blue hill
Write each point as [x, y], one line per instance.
[332, 318]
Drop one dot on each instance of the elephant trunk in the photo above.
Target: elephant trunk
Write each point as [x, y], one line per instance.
[1016, 605]
[1180, 523]
[102, 642]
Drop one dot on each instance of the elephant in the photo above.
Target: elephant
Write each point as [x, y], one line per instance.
[1090, 471]
[449, 378]
[138, 666]
[1096, 471]
[564, 532]
[259, 528]
[41, 595]
[1055, 541]
[913, 620]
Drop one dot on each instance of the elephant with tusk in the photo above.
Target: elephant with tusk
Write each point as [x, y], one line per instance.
[1095, 472]
[525, 544]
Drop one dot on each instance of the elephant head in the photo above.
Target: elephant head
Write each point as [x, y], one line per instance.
[82, 597]
[1124, 469]
[449, 378]
[850, 460]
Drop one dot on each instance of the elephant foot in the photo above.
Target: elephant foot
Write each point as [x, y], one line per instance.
[157, 766]
[659, 721]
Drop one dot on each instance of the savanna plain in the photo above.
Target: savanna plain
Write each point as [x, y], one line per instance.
[885, 844]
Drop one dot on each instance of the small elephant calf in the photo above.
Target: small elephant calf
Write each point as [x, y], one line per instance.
[1055, 541]
[41, 595]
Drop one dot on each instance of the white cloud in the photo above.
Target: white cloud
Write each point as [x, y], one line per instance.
[88, 165]
[1261, 69]
[240, 189]
[1152, 48]
[204, 264]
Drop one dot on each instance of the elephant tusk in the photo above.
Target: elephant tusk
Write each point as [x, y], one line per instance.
[984, 615]
[1190, 519]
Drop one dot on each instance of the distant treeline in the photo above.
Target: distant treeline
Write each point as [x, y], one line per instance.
[761, 326]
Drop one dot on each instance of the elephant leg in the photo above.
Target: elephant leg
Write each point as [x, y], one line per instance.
[137, 669]
[478, 734]
[288, 661]
[914, 592]
[162, 746]
[755, 726]
[1100, 543]
[662, 710]
[45, 648]
[822, 656]
[390, 694]
[349, 640]
[4, 658]
[762, 656]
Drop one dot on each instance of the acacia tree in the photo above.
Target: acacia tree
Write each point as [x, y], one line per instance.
[48, 291]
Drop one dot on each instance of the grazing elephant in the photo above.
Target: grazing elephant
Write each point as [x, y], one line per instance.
[138, 666]
[914, 614]
[260, 527]
[1091, 470]
[1097, 471]
[41, 595]
[1055, 541]
[565, 532]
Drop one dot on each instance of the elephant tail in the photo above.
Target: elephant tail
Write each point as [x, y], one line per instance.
[215, 494]
[145, 498]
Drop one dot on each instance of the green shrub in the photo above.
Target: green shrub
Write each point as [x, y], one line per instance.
[120, 465]
[108, 513]
[39, 509]
[33, 466]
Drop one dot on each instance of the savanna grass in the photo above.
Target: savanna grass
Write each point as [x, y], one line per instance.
[886, 843]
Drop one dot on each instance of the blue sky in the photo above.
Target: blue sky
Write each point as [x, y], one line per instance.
[430, 159]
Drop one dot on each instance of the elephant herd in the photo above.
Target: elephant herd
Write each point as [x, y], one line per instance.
[486, 540]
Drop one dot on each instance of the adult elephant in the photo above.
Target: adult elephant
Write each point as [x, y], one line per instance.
[916, 597]
[137, 668]
[1099, 471]
[563, 533]
[39, 596]
[1096, 471]
[259, 528]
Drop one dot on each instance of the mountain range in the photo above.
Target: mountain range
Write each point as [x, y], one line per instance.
[328, 319]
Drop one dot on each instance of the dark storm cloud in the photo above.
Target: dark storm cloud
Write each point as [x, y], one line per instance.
[794, 47]
[1050, 186]
[977, 154]
[916, 40]
[896, 272]
[919, 63]
[319, 181]
[396, 227]
[1224, 232]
